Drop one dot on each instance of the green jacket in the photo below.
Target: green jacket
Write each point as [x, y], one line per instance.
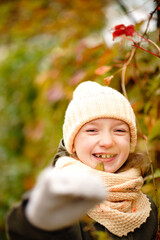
[18, 227]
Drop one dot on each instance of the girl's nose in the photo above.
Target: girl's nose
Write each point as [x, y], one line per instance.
[106, 140]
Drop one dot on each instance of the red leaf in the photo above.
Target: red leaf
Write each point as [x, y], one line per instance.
[119, 27]
[102, 70]
[123, 30]
[107, 80]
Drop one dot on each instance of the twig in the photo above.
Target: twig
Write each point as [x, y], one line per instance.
[124, 72]
[150, 17]
[146, 50]
[149, 40]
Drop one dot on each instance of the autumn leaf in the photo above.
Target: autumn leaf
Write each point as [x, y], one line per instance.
[107, 80]
[29, 182]
[102, 70]
[102, 235]
[155, 133]
[123, 30]
[100, 166]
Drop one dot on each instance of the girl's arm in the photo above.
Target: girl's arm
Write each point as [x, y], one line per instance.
[59, 199]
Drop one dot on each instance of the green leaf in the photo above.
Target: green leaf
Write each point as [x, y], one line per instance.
[156, 175]
[155, 133]
[102, 235]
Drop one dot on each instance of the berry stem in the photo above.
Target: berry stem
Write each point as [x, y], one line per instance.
[146, 50]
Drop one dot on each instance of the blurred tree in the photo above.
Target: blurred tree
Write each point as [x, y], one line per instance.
[35, 35]
[47, 48]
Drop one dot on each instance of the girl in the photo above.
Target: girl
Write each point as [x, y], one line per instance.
[96, 172]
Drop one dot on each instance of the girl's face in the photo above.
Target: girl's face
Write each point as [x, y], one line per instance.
[103, 140]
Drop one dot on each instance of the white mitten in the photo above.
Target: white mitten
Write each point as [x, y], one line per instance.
[63, 196]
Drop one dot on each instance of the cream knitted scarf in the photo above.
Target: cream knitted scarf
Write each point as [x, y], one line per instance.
[126, 207]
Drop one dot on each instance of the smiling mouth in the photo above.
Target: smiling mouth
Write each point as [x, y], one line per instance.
[104, 156]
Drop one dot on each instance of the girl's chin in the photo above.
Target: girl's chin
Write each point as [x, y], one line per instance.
[111, 169]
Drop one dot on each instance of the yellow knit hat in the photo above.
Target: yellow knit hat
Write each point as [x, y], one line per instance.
[91, 101]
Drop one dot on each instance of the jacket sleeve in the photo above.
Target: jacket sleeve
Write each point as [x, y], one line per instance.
[18, 228]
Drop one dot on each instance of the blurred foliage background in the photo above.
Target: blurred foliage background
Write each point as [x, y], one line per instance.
[47, 47]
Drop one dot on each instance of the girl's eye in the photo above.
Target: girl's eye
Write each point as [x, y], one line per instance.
[91, 130]
[120, 130]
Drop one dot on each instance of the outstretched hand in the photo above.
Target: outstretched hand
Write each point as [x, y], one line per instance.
[63, 196]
